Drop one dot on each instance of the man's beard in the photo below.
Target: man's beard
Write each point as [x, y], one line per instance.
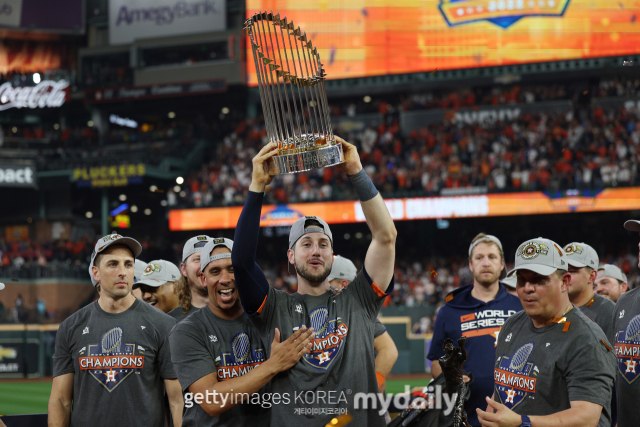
[303, 271]
[198, 288]
[487, 280]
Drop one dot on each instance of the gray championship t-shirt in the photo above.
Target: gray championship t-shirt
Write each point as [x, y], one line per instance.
[600, 310]
[626, 326]
[378, 329]
[203, 344]
[179, 314]
[119, 362]
[539, 371]
[329, 380]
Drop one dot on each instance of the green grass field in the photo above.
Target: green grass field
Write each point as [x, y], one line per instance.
[31, 397]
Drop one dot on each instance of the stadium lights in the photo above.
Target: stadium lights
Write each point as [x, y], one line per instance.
[179, 180]
[134, 209]
[171, 115]
[36, 78]
[153, 188]
[90, 123]
[14, 129]
[367, 99]
[89, 215]
[176, 189]
[56, 126]
[225, 110]
[163, 203]
[147, 211]
[347, 236]
[358, 235]
[122, 197]
[183, 193]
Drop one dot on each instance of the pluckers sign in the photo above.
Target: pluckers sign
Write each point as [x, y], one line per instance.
[109, 176]
[47, 93]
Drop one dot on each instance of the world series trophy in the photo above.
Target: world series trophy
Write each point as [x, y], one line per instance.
[293, 95]
[452, 363]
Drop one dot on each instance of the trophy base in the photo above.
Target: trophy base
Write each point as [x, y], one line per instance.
[314, 158]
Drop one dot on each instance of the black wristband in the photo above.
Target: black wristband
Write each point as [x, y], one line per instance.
[363, 185]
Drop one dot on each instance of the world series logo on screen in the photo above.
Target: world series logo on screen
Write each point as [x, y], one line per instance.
[503, 13]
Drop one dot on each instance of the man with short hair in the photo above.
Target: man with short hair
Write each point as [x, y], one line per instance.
[157, 285]
[342, 273]
[191, 294]
[112, 357]
[626, 338]
[611, 282]
[216, 350]
[340, 367]
[554, 366]
[477, 312]
[583, 263]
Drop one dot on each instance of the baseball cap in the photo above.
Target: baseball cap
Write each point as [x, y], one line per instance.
[581, 255]
[157, 273]
[610, 270]
[193, 245]
[511, 280]
[116, 239]
[206, 257]
[139, 269]
[342, 269]
[632, 225]
[542, 256]
[299, 229]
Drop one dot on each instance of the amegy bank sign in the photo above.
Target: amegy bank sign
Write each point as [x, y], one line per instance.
[47, 93]
[139, 19]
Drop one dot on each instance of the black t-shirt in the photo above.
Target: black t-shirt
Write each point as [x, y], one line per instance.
[626, 326]
[179, 314]
[119, 362]
[539, 371]
[204, 343]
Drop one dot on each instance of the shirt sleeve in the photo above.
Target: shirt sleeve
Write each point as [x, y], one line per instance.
[367, 293]
[165, 366]
[378, 329]
[62, 359]
[191, 358]
[439, 335]
[590, 370]
[266, 317]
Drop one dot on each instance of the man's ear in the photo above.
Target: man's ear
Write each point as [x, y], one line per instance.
[96, 273]
[291, 256]
[566, 279]
[203, 280]
[183, 269]
[625, 287]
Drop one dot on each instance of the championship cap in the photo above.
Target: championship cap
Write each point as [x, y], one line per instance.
[299, 229]
[581, 255]
[632, 225]
[111, 239]
[139, 269]
[193, 245]
[610, 270]
[157, 273]
[342, 269]
[206, 257]
[511, 280]
[542, 256]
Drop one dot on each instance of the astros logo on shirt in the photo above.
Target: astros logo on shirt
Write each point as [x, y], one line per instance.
[240, 360]
[515, 376]
[628, 350]
[111, 361]
[330, 336]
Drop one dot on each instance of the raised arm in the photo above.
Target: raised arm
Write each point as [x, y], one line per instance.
[381, 254]
[251, 282]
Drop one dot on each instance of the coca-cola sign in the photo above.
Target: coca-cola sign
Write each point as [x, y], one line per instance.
[47, 93]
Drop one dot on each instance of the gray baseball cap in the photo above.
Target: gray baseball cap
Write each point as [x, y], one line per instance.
[342, 269]
[511, 280]
[139, 270]
[610, 270]
[299, 229]
[632, 225]
[581, 255]
[113, 239]
[157, 273]
[193, 245]
[542, 256]
[206, 257]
